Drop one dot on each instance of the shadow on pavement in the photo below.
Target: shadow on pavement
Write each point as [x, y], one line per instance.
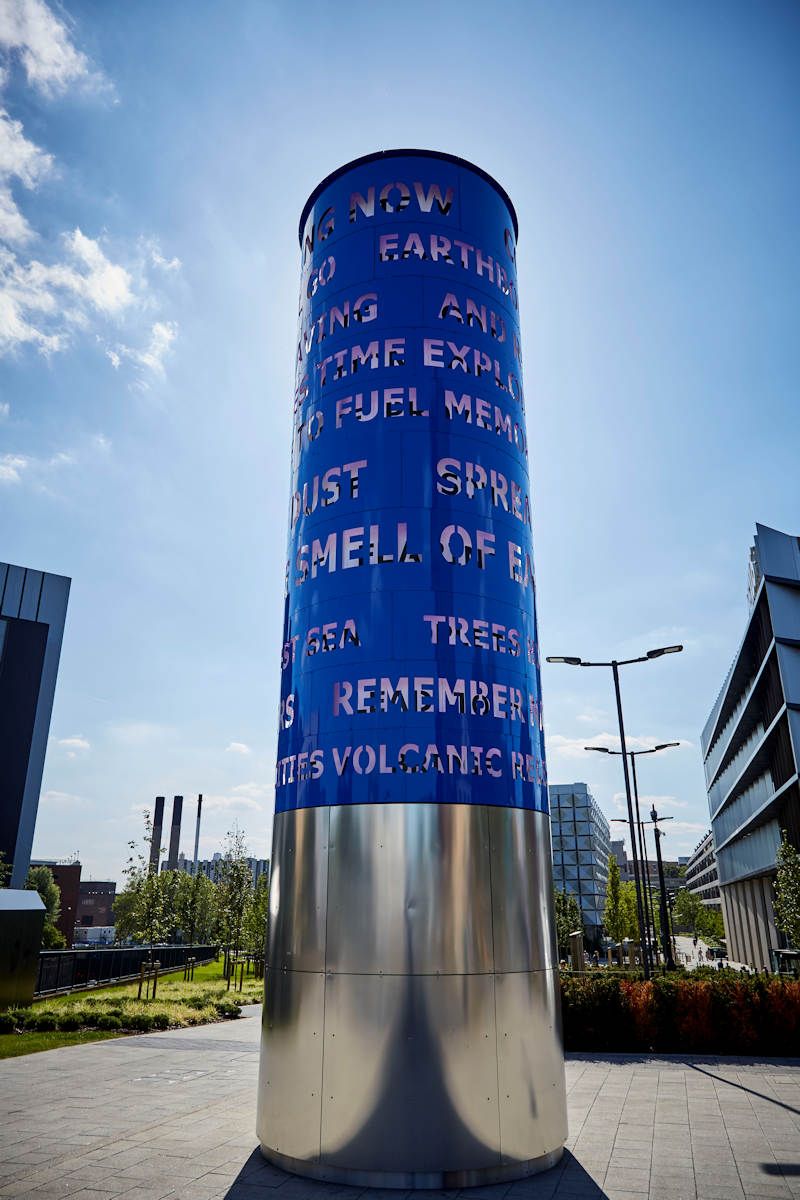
[258, 1178]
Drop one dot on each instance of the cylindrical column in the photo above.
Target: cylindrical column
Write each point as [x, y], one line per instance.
[411, 1021]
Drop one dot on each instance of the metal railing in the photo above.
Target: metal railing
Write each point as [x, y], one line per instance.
[70, 970]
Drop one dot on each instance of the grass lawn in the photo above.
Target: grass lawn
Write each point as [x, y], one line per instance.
[111, 1011]
[14, 1044]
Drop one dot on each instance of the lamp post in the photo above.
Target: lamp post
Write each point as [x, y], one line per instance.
[646, 940]
[646, 895]
[666, 940]
[615, 664]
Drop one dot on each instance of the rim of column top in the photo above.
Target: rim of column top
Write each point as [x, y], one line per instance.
[407, 152]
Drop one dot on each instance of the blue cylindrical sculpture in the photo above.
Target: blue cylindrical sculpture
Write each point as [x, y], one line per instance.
[411, 1030]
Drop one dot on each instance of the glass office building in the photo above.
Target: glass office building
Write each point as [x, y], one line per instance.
[581, 846]
[750, 750]
[33, 607]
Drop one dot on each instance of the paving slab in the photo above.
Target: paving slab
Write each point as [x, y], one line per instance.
[171, 1116]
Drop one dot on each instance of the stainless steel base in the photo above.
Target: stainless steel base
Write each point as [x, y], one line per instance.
[411, 1027]
[418, 1179]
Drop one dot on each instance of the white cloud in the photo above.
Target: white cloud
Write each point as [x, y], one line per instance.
[233, 803]
[32, 31]
[256, 791]
[238, 748]
[163, 264]
[138, 733]
[151, 356]
[23, 161]
[575, 747]
[73, 282]
[12, 467]
[62, 799]
[592, 716]
[662, 802]
[647, 802]
[43, 303]
[19, 468]
[5, 410]
[106, 285]
[74, 743]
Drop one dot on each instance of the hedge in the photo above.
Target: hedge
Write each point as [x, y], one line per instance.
[726, 1014]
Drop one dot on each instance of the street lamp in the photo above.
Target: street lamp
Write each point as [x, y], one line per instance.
[666, 940]
[615, 664]
[646, 896]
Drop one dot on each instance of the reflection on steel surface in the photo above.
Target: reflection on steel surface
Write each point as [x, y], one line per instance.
[420, 1040]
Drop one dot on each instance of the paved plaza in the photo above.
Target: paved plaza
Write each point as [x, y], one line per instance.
[173, 1115]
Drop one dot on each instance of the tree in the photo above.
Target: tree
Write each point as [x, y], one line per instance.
[196, 907]
[568, 920]
[614, 917]
[630, 910]
[140, 910]
[787, 891]
[40, 879]
[5, 870]
[235, 884]
[255, 922]
[170, 882]
[687, 911]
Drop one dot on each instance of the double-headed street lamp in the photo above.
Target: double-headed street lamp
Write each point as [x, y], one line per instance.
[666, 940]
[615, 664]
[646, 897]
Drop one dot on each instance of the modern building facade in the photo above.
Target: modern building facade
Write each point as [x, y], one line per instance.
[702, 877]
[750, 750]
[581, 847]
[211, 867]
[33, 609]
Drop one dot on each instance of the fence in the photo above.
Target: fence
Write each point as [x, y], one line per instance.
[67, 970]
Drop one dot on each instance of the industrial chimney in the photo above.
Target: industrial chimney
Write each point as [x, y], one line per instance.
[155, 836]
[197, 831]
[175, 833]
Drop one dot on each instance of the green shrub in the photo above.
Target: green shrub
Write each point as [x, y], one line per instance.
[7, 1022]
[160, 1020]
[69, 1020]
[228, 1009]
[107, 1021]
[41, 1020]
[140, 1022]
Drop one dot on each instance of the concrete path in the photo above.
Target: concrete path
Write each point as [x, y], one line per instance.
[173, 1115]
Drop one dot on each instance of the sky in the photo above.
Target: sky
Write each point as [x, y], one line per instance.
[154, 159]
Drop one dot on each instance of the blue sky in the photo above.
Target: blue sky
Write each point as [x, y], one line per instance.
[154, 159]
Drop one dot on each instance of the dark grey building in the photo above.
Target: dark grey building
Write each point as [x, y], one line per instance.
[33, 608]
[750, 750]
[581, 846]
